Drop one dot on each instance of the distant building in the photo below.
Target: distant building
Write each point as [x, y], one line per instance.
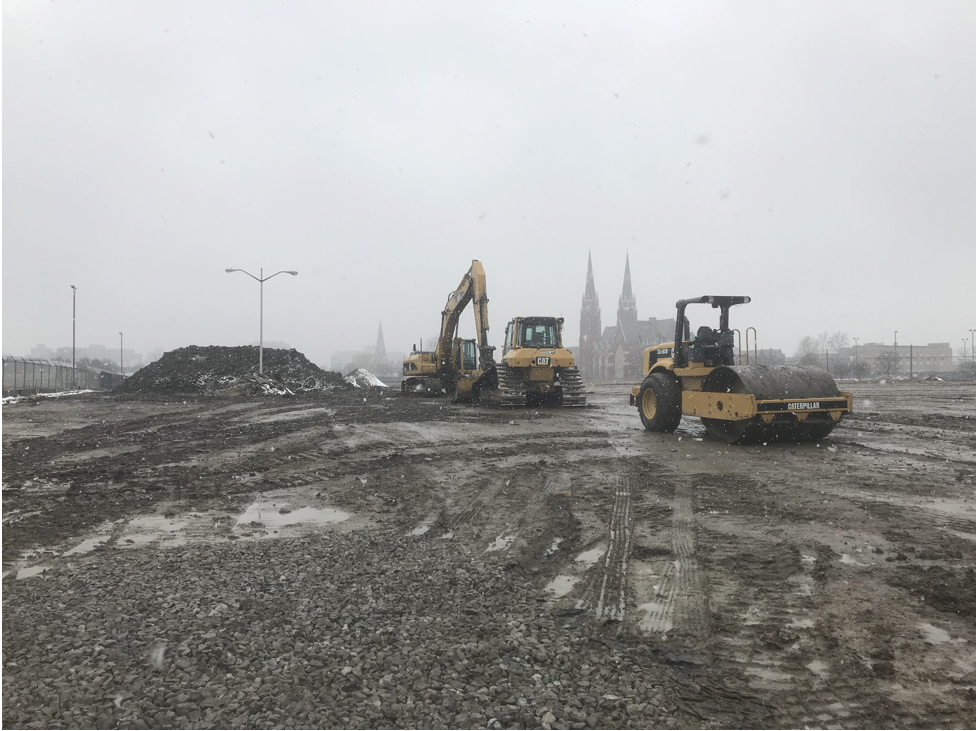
[614, 353]
[916, 360]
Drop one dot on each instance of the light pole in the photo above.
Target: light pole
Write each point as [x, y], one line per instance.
[121, 368]
[261, 279]
[74, 379]
[972, 351]
[855, 359]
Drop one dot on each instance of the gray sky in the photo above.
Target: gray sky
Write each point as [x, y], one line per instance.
[818, 157]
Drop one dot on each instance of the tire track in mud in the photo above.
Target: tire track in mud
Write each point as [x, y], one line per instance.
[682, 601]
[607, 593]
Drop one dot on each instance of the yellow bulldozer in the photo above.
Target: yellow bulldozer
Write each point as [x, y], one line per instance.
[536, 369]
[738, 404]
[458, 366]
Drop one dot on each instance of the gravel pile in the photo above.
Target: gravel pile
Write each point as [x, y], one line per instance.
[196, 369]
[360, 630]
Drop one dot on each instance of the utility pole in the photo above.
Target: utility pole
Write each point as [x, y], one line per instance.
[856, 377]
[74, 378]
[911, 362]
[121, 368]
[972, 350]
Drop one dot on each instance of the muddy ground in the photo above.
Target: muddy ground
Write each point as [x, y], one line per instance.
[694, 584]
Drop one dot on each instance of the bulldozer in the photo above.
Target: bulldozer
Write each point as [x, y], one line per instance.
[535, 368]
[738, 404]
[458, 366]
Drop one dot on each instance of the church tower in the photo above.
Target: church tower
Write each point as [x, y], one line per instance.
[380, 346]
[627, 304]
[591, 328]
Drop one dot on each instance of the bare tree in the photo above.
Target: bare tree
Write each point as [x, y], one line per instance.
[837, 342]
[888, 362]
[860, 369]
[808, 351]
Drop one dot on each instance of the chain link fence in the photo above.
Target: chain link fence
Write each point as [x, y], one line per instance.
[28, 376]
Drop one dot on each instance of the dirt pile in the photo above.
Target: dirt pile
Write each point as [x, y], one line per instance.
[196, 369]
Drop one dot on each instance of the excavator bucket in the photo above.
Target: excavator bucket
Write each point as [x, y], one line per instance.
[772, 403]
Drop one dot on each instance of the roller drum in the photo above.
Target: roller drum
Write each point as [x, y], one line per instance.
[795, 383]
[772, 382]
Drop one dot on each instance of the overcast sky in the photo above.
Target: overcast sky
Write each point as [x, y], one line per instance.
[819, 157]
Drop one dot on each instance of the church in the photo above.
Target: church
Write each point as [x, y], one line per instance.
[614, 353]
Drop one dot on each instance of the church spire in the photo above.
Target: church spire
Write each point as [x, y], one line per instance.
[380, 345]
[590, 292]
[627, 304]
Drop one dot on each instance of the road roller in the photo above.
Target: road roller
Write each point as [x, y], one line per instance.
[738, 404]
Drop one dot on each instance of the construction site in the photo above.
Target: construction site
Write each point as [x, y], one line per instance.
[715, 546]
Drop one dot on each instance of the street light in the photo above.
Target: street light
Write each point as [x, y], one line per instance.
[261, 280]
[74, 378]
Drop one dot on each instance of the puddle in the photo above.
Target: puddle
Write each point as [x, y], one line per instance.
[277, 515]
[447, 536]
[961, 534]
[419, 530]
[818, 667]
[655, 618]
[89, 544]
[589, 558]
[802, 623]
[501, 543]
[933, 635]
[555, 545]
[287, 415]
[752, 617]
[766, 674]
[562, 585]
[145, 529]
[846, 558]
[29, 571]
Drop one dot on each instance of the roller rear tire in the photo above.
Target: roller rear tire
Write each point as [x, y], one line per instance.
[659, 403]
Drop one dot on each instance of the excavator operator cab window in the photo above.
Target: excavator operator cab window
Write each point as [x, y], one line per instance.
[469, 358]
[538, 335]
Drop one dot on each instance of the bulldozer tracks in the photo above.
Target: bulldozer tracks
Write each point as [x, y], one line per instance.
[681, 601]
[607, 594]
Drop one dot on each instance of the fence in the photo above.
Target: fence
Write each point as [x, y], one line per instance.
[26, 376]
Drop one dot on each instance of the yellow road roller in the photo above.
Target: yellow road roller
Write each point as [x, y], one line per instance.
[738, 404]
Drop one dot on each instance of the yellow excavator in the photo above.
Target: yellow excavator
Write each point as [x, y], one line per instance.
[458, 366]
[737, 404]
[536, 369]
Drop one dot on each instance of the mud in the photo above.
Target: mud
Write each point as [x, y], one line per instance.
[827, 584]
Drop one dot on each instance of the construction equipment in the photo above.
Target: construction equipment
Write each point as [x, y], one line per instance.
[737, 404]
[535, 368]
[453, 366]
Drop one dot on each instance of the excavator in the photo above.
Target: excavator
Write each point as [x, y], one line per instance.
[458, 366]
[738, 404]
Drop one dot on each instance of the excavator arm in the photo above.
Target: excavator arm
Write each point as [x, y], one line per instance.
[473, 288]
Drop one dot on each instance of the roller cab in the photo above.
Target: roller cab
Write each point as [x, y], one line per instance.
[737, 403]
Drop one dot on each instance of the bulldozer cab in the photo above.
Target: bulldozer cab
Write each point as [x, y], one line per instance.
[533, 332]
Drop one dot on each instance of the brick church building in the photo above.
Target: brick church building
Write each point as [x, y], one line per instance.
[614, 353]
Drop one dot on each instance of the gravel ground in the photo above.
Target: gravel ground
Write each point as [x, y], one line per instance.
[358, 630]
